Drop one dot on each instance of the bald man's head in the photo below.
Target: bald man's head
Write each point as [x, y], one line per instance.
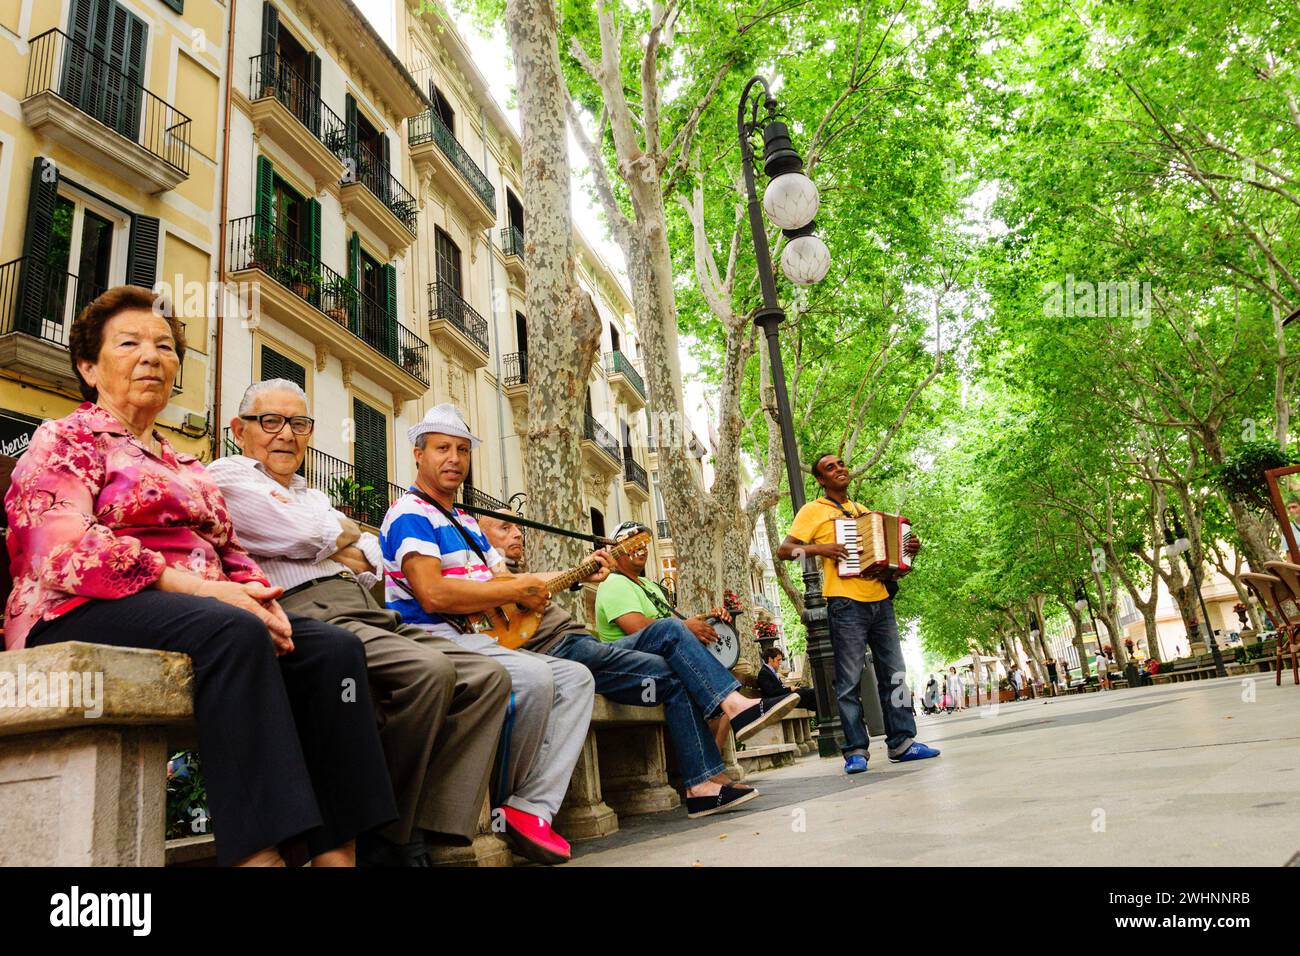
[506, 536]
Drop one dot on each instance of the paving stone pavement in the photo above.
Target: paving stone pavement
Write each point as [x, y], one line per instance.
[1201, 773]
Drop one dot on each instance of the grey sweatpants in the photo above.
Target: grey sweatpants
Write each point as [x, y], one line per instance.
[546, 725]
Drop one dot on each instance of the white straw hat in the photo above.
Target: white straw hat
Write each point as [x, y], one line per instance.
[444, 419]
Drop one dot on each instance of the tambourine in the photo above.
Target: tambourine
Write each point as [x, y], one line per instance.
[727, 647]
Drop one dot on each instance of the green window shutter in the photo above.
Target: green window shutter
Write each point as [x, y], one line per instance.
[78, 79]
[353, 172]
[36, 276]
[390, 305]
[275, 365]
[313, 231]
[177, 5]
[313, 93]
[263, 221]
[130, 35]
[265, 192]
[354, 276]
[142, 256]
[370, 453]
[270, 30]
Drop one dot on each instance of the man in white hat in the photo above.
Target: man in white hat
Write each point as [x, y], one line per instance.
[440, 567]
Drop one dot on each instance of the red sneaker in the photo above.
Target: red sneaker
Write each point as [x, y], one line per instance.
[532, 838]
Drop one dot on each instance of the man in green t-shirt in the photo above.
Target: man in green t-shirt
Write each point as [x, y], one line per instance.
[636, 613]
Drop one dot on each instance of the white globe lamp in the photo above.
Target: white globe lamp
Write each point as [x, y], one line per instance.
[805, 260]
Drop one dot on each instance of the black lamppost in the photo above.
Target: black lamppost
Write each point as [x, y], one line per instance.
[1176, 543]
[791, 201]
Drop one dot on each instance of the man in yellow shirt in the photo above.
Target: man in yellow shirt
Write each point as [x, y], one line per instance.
[861, 614]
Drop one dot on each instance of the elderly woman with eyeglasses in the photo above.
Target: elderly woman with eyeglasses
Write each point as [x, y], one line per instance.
[116, 538]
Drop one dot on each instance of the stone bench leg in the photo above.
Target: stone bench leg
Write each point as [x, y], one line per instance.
[86, 797]
[488, 849]
[730, 762]
[584, 815]
[633, 770]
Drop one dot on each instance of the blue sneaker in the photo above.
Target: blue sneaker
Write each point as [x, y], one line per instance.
[918, 751]
[855, 764]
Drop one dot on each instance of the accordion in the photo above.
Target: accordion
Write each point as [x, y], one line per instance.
[875, 542]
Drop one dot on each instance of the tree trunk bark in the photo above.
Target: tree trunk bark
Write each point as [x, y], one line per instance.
[564, 322]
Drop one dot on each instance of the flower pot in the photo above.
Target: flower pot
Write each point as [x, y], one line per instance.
[338, 315]
[301, 289]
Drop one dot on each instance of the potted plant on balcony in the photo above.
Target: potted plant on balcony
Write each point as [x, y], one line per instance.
[302, 278]
[340, 299]
[413, 359]
[344, 492]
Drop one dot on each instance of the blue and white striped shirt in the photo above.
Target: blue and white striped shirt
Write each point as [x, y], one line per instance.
[413, 526]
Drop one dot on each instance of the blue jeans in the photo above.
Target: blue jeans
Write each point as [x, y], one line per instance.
[663, 663]
[855, 625]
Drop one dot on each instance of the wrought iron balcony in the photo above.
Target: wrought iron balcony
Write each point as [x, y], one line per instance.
[41, 305]
[633, 472]
[516, 369]
[592, 430]
[661, 528]
[429, 127]
[512, 241]
[446, 304]
[361, 165]
[269, 75]
[58, 66]
[257, 244]
[616, 363]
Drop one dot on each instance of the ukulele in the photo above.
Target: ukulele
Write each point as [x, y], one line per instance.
[513, 626]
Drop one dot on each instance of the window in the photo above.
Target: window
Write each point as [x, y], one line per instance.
[289, 211]
[447, 261]
[275, 365]
[442, 107]
[521, 331]
[613, 337]
[668, 570]
[107, 84]
[514, 211]
[86, 255]
[597, 523]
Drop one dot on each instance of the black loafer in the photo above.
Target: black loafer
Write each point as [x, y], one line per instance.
[376, 851]
[728, 798]
[765, 712]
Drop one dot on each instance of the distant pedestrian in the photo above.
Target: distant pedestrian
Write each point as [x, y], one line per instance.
[1102, 663]
[1016, 680]
[1051, 675]
[955, 689]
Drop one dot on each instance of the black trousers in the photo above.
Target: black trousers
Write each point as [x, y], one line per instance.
[289, 746]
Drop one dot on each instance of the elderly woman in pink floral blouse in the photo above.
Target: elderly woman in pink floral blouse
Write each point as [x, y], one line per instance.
[116, 538]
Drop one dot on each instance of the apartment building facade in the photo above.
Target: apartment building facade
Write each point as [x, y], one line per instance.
[323, 219]
[109, 146]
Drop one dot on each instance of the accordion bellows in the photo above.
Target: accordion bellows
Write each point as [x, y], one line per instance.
[876, 545]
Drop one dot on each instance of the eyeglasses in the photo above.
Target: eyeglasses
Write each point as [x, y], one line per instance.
[274, 424]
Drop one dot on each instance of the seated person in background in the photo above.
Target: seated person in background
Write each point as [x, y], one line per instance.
[438, 568]
[634, 612]
[629, 676]
[117, 538]
[771, 685]
[440, 706]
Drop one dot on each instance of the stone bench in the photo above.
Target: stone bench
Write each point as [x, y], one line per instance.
[87, 789]
[80, 788]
